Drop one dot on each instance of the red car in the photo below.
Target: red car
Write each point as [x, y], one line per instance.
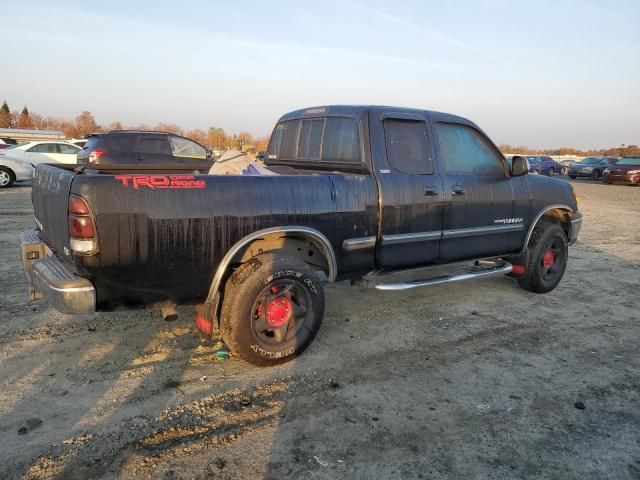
[627, 171]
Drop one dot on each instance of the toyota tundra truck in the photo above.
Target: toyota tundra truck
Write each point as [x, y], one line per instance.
[355, 192]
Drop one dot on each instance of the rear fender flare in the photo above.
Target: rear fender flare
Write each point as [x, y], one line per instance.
[317, 238]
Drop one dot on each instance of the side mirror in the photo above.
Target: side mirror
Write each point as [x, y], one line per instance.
[262, 155]
[209, 153]
[519, 166]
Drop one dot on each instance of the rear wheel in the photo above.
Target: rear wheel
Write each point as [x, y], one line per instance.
[7, 177]
[595, 175]
[552, 172]
[548, 253]
[272, 309]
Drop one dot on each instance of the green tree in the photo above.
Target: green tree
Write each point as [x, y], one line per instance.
[5, 116]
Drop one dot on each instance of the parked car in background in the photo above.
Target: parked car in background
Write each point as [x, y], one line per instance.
[80, 143]
[42, 152]
[591, 167]
[127, 147]
[14, 171]
[6, 143]
[543, 165]
[625, 170]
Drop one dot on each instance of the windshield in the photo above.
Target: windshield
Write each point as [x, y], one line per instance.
[590, 161]
[629, 161]
[533, 160]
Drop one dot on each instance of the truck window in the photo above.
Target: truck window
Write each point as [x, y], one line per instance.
[310, 139]
[332, 139]
[284, 140]
[464, 150]
[408, 146]
[341, 141]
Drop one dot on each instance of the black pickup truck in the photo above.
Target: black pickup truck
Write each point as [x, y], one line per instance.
[356, 191]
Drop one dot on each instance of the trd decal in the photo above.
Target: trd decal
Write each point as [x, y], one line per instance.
[160, 181]
[508, 220]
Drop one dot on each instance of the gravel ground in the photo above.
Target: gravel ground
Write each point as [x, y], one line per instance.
[475, 380]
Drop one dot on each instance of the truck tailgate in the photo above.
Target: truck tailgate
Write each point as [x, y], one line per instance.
[50, 197]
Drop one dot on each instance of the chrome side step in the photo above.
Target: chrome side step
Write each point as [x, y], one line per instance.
[500, 269]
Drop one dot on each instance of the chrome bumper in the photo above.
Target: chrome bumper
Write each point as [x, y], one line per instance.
[51, 278]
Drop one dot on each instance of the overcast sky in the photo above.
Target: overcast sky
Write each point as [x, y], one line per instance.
[536, 73]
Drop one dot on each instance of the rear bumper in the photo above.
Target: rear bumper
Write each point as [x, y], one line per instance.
[576, 225]
[51, 278]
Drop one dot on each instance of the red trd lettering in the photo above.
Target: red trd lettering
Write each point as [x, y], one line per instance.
[160, 181]
[124, 179]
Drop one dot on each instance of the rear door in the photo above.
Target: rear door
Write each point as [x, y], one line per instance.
[410, 189]
[152, 149]
[484, 207]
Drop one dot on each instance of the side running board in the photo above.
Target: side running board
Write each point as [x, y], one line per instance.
[489, 271]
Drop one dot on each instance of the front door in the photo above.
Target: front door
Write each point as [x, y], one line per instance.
[410, 190]
[481, 217]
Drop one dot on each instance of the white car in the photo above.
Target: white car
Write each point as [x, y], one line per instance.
[41, 152]
[18, 161]
[14, 171]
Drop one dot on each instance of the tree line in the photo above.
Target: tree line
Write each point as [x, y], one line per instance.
[218, 139]
[84, 124]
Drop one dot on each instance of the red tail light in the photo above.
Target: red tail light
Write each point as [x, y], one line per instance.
[77, 205]
[96, 154]
[82, 229]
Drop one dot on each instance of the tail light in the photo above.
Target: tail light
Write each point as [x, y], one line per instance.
[82, 230]
[96, 154]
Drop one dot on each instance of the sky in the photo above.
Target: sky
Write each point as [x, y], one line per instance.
[536, 73]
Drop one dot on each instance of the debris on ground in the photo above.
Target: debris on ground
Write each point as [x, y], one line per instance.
[579, 405]
[320, 461]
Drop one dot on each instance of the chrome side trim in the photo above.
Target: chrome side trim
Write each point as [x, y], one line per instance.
[471, 232]
[362, 243]
[315, 236]
[538, 217]
[411, 237]
[502, 269]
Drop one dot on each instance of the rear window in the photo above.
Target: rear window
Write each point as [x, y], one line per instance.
[92, 142]
[124, 143]
[333, 139]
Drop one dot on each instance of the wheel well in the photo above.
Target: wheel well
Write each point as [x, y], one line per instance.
[292, 244]
[558, 216]
[11, 172]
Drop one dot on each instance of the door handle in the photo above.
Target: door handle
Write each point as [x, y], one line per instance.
[458, 190]
[430, 193]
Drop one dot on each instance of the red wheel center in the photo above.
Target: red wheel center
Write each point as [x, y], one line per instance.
[279, 311]
[548, 259]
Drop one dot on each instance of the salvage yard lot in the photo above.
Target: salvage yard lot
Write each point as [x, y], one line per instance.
[463, 380]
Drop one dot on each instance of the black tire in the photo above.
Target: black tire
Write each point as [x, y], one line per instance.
[284, 287]
[543, 273]
[7, 177]
[572, 177]
[595, 175]
[551, 172]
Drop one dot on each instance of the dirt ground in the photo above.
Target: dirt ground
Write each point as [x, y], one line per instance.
[472, 380]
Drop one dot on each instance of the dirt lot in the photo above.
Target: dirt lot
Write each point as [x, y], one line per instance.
[475, 380]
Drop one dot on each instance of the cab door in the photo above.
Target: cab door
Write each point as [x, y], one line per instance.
[410, 189]
[484, 209]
